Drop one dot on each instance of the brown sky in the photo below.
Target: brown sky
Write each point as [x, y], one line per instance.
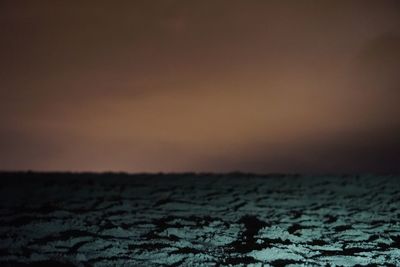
[261, 86]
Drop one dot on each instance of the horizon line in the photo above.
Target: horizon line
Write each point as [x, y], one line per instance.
[194, 173]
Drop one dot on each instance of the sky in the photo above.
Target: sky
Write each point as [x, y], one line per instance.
[205, 86]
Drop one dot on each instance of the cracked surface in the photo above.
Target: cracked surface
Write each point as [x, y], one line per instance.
[193, 220]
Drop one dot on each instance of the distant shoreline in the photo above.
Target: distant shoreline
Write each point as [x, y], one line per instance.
[237, 174]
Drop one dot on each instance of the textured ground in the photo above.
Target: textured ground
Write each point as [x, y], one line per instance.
[203, 220]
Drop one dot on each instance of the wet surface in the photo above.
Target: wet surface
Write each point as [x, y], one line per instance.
[198, 220]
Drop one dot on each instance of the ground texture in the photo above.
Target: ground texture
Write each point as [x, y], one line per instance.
[198, 220]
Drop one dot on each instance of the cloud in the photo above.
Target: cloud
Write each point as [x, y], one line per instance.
[379, 62]
[181, 85]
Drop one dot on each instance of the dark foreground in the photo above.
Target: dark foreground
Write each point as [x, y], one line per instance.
[198, 220]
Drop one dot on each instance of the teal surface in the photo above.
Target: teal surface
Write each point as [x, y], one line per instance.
[200, 220]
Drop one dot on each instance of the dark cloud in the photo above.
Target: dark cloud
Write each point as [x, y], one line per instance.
[379, 62]
[204, 85]
[362, 152]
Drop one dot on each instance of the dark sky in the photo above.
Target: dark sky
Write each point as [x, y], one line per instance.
[259, 86]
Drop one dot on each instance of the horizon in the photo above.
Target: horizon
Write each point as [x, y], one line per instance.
[200, 173]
